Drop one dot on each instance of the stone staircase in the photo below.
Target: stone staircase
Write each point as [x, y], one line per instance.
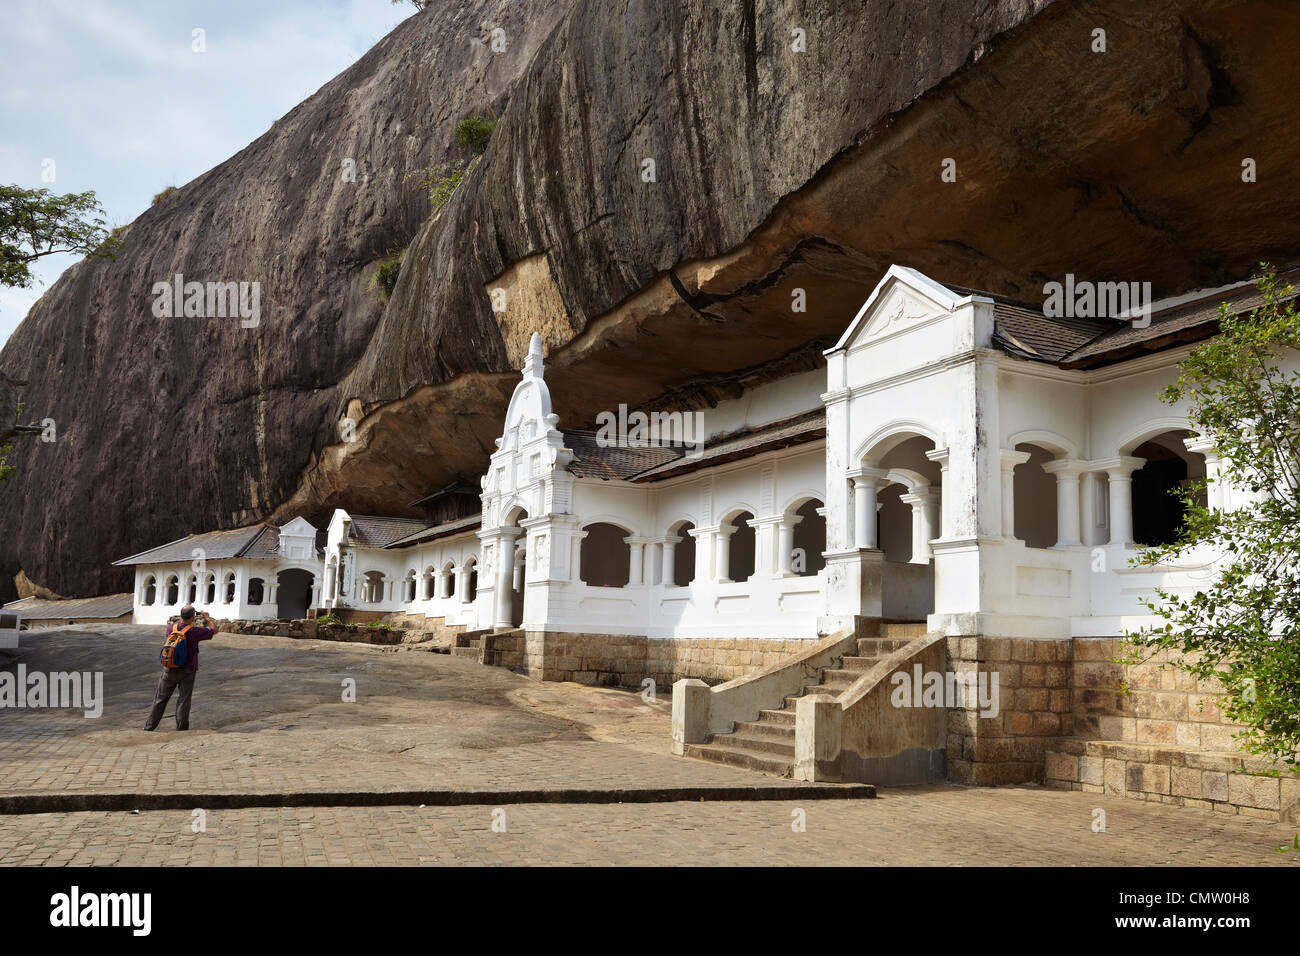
[767, 744]
[469, 643]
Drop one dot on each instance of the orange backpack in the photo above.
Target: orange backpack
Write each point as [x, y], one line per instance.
[176, 649]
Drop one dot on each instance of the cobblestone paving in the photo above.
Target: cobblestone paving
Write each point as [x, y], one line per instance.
[938, 826]
[269, 717]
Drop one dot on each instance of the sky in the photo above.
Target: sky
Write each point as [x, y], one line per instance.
[111, 95]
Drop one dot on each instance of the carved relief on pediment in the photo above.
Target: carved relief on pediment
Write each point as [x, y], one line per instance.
[899, 310]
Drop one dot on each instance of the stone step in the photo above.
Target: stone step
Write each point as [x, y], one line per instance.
[745, 759]
[473, 651]
[814, 689]
[881, 647]
[860, 664]
[782, 718]
[903, 630]
[766, 728]
[839, 678]
[767, 746]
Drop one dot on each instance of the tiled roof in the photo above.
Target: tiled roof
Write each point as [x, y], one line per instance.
[439, 531]
[371, 531]
[255, 541]
[1021, 328]
[1025, 331]
[808, 427]
[594, 458]
[104, 606]
[1182, 323]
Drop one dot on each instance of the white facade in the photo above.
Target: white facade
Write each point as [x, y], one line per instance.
[437, 578]
[955, 483]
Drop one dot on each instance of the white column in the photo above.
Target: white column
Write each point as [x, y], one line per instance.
[866, 482]
[945, 523]
[636, 548]
[785, 546]
[924, 504]
[1010, 458]
[1215, 497]
[1067, 472]
[505, 569]
[722, 554]
[1119, 475]
[670, 559]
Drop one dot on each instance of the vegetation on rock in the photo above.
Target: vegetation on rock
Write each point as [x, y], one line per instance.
[474, 133]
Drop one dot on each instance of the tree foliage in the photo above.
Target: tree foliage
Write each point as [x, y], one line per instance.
[1241, 627]
[35, 223]
[474, 133]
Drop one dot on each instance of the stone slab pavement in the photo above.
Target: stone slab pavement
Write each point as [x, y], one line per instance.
[269, 717]
[924, 826]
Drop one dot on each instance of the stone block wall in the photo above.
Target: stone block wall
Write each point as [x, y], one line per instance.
[1167, 706]
[1033, 707]
[1225, 782]
[625, 660]
[1166, 742]
[354, 633]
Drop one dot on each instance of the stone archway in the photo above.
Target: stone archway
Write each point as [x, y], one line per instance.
[293, 593]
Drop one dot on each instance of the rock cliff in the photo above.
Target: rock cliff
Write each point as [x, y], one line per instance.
[774, 169]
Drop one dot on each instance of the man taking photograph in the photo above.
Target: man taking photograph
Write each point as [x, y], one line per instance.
[180, 659]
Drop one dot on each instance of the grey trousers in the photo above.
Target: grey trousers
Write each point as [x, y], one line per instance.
[181, 679]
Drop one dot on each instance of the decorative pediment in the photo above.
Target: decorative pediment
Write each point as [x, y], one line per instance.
[903, 299]
[298, 528]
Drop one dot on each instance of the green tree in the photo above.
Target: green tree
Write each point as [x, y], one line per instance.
[7, 434]
[474, 133]
[1242, 627]
[35, 223]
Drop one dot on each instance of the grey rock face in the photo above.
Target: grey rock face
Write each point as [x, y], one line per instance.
[774, 169]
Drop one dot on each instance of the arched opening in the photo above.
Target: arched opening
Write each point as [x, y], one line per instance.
[605, 558]
[229, 589]
[1158, 509]
[210, 588]
[1035, 498]
[172, 591]
[471, 580]
[740, 548]
[372, 587]
[429, 579]
[408, 587]
[907, 512]
[809, 539]
[894, 519]
[192, 589]
[293, 594]
[683, 555]
[150, 592]
[256, 591]
[520, 579]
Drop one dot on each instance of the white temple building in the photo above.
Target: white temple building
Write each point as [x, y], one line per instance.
[961, 460]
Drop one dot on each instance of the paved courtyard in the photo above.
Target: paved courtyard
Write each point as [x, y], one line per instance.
[269, 717]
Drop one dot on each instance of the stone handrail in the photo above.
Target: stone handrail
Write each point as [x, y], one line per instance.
[861, 736]
[699, 711]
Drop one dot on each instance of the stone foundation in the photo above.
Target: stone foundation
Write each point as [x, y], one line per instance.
[1167, 741]
[626, 660]
[1033, 709]
[354, 633]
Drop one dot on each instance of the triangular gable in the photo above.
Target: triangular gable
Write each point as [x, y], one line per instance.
[902, 299]
[298, 528]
